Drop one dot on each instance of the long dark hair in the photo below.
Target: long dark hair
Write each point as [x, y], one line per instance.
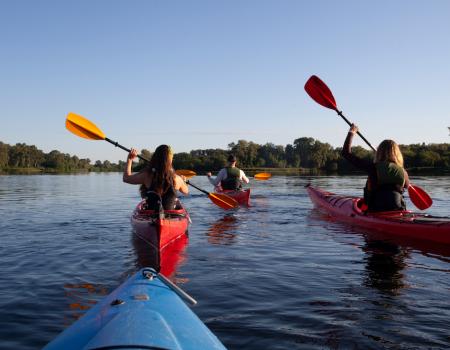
[160, 170]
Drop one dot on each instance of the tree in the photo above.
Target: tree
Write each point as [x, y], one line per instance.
[4, 155]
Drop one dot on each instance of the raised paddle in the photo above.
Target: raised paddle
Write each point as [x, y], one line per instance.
[220, 199]
[84, 128]
[320, 93]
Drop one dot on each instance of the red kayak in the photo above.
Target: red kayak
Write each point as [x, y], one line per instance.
[400, 223]
[241, 196]
[160, 230]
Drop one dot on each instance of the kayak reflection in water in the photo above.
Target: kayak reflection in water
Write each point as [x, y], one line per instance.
[387, 179]
[158, 179]
[230, 177]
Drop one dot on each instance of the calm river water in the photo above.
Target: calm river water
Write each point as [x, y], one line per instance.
[278, 275]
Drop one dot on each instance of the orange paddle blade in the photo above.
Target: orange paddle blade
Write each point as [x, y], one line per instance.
[419, 197]
[186, 173]
[223, 201]
[262, 176]
[82, 127]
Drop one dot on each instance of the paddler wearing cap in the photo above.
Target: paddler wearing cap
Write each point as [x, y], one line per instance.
[230, 177]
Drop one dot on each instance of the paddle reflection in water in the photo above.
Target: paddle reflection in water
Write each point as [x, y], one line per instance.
[166, 260]
[81, 297]
[221, 232]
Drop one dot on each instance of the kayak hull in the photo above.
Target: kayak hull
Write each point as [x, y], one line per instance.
[241, 196]
[142, 313]
[396, 223]
[159, 231]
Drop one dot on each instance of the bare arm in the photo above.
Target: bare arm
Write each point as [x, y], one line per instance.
[180, 184]
[128, 177]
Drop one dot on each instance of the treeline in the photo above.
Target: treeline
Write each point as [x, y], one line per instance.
[22, 156]
[304, 153]
[309, 154]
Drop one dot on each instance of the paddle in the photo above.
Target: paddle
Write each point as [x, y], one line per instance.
[320, 93]
[84, 128]
[186, 173]
[190, 173]
[220, 199]
[262, 176]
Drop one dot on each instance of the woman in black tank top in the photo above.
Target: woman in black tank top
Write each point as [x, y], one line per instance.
[159, 183]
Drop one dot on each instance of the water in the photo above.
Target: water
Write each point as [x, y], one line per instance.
[278, 275]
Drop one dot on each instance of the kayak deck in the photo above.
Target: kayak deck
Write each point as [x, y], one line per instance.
[143, 313]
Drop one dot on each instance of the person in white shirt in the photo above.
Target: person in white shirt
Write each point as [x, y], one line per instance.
[230, 177]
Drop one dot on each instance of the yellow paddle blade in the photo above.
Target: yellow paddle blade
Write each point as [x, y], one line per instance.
[186, 173]
[262, 176]
[82, 127]
[223, 201]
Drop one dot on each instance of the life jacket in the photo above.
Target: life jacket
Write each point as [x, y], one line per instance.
[167, 201]
[232, 182]
[384, 189]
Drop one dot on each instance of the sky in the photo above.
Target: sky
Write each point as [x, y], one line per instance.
[202, 74]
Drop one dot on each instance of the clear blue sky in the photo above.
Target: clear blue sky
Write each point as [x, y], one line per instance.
[203, 74]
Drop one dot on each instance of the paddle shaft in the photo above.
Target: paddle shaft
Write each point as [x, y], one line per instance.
[201, 190]
[350, 124]
[124, 148]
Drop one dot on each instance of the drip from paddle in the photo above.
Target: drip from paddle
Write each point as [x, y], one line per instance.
[321, 93]
[84, 128]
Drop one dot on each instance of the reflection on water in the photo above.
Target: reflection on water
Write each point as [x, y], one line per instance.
[81, 297]
[384, 266]
[222, 231]
[165, 261]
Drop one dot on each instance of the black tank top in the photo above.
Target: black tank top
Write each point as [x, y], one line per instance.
[167, 201]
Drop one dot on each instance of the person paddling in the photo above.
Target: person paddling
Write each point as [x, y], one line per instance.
[230, 177]
[158, 179]
[387, 179]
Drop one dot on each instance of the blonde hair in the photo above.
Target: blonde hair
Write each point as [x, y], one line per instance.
[388, 151]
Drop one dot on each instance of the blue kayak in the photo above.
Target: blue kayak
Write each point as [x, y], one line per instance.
[145, 312]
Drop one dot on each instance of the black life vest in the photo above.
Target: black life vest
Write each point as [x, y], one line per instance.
[232, 182]
[384, 189]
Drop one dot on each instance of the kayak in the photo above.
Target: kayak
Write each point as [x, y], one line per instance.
[159, 230]
[241, 196]
[402, 223]
[145, 312]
